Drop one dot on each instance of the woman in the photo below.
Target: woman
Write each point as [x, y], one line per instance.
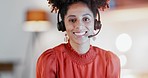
[77, 58]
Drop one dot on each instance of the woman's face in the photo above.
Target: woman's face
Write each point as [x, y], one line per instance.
[79, 23]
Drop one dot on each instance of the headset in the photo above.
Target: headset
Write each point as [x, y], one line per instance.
[60, 24]
[97, 24]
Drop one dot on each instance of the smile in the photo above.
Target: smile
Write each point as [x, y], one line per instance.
[80, 33]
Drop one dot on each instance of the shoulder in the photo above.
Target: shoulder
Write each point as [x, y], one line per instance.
[50, 55]
[111, 56]
[107, 54]
[47, 54]
[45, 58]
[112, 62]
[113, 65]
[47, 63]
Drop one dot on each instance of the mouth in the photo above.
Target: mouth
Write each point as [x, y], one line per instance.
[80, 33]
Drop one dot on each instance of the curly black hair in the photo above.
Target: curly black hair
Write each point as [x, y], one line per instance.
[62, 5]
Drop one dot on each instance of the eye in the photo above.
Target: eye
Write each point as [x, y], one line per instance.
[72, 20]
[86, 19]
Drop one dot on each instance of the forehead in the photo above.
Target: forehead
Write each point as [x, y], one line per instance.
[78, 9]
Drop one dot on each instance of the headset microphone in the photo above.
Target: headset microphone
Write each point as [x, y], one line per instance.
[94, 34]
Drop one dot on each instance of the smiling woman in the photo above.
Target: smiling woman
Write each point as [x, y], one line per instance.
[78, 58]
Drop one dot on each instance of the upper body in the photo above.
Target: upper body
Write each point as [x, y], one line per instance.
[63, 62]
[78, 59]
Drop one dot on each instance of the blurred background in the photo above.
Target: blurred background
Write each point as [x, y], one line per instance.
[28, 29]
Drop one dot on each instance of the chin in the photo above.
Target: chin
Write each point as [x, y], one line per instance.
[80, 42]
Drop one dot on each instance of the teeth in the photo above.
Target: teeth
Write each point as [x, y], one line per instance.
[80, 33]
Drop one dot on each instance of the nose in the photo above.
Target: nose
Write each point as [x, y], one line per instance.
[79, 25]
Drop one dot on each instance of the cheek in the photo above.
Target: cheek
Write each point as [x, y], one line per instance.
[90, 25]
[68, 26]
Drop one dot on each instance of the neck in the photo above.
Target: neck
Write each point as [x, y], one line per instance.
[80, 48]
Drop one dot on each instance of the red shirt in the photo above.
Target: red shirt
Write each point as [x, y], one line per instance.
[63, 62]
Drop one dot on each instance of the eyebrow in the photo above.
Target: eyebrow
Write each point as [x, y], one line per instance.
[71, 16]
[87, 14]
[82, 15]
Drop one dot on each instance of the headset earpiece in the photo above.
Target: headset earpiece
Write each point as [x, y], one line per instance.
[60, 24]
[97, 24]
